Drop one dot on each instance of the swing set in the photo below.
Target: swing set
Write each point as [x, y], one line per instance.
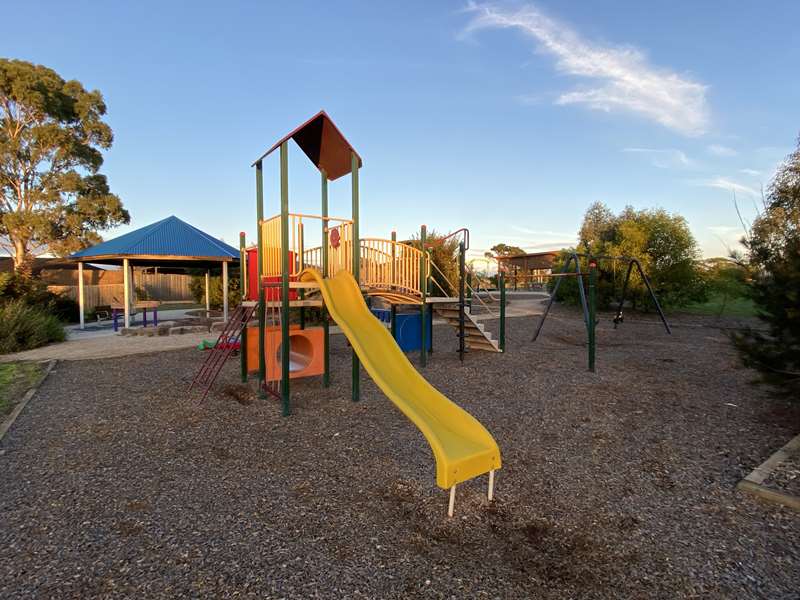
[588, 300]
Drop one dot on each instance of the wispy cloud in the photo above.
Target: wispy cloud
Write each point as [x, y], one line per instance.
[720, 150]
[724, 183]
[624, 79]
[750, 172]
[663, 158]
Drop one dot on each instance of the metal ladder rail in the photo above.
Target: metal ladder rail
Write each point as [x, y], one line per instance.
[222, 349]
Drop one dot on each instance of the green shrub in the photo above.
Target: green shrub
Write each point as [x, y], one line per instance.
[197, 286]
[661, 242]
[773, 248]
[24, 326]
[34, 292]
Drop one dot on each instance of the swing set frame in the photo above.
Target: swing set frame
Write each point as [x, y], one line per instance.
[588, 304]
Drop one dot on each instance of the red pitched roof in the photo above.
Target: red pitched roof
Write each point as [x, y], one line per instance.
[324, 145]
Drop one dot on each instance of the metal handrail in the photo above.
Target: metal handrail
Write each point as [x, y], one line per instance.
[471, 289]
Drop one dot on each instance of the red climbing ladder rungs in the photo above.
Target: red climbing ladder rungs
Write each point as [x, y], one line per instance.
[226, 343]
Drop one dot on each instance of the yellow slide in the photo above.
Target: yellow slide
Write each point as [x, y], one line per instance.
[462, 447]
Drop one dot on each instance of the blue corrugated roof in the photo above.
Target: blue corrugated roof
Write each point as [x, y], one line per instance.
[168, 237]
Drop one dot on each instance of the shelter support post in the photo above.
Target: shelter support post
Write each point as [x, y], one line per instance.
[126, 284]
[81, 306]
[208, 292]
[225, 291]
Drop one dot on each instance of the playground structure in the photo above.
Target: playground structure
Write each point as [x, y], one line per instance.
[337, 276]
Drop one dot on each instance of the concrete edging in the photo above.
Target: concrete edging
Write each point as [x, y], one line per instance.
[12, 417]
[752, 483]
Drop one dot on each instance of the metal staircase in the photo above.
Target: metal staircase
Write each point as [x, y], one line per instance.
[475, 335]
[227, 342]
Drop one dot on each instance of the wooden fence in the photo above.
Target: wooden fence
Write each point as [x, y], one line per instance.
[159, 286]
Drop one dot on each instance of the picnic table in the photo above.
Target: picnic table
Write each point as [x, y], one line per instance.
[118, 308]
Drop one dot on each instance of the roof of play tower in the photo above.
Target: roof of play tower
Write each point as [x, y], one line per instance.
[324, 145]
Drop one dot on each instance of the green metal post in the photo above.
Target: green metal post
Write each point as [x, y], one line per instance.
[243, 284]
[356, 262]
[393, 309]
[461, 305]
[423, 288]
[394, 258]
[300, 267]
[430, 308]
[287, 410]
[326, 348]
[501, 282]
[592, 307]
[262, 366]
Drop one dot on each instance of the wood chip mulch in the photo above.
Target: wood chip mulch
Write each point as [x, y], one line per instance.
[618, 484]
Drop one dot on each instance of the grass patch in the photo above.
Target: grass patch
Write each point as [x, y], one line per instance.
[717, 305]
[15, 379]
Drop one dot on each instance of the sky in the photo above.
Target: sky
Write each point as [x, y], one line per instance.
[508, 118]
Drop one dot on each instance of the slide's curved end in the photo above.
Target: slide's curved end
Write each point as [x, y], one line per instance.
[461, 446]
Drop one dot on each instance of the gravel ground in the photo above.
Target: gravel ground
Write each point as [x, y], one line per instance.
[619, 484]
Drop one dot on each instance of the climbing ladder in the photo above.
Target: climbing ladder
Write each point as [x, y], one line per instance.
[475, 335]
[226, 343]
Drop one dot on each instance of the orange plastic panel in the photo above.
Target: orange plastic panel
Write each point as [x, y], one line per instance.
[305, 352]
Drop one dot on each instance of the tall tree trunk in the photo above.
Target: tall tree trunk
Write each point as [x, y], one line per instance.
[22, 258]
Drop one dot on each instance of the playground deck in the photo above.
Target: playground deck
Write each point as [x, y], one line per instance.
[618, 484]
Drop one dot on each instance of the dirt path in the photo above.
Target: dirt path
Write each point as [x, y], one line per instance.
[108, 347]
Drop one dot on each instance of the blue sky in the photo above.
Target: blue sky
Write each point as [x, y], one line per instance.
[507, 118]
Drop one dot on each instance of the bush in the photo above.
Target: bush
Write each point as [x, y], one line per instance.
[773, 246]
[661, 242]
[444, 256]
[24, 326]
[34, 292]
[197, 286]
